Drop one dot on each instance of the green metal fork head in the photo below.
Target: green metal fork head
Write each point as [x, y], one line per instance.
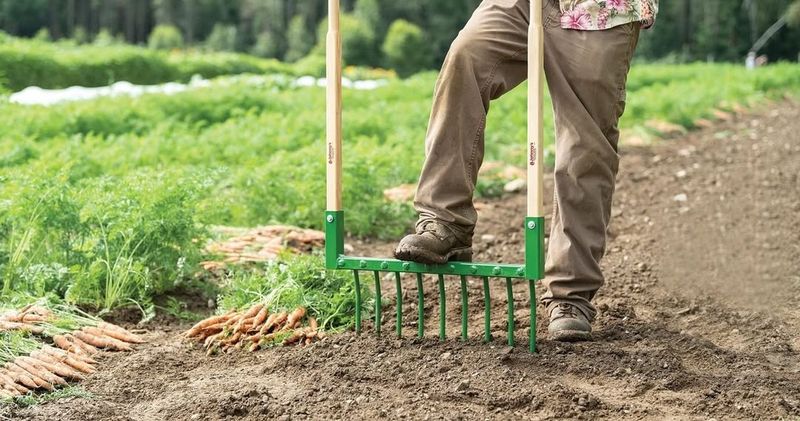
[532, 270]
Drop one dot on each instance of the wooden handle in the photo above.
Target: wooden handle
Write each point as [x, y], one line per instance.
[535, 112]
[333, 144]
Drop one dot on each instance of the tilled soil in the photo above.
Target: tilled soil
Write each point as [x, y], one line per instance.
[698, 319]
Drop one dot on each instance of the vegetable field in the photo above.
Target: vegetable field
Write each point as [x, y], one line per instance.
[108, 205]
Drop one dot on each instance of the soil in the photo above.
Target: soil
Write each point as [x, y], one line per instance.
[698, 318]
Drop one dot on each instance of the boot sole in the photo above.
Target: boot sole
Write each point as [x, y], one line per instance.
[418, 255]
[571, 336]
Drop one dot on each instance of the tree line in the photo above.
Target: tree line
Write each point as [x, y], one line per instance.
[380, 32]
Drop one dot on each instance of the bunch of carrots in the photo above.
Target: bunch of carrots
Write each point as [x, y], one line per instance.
[254, 329]
[46, 367]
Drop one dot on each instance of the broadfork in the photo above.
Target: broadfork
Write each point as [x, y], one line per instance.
[533, 268]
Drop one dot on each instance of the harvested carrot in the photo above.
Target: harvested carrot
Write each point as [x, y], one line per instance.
[210, 340]
[40, 382]
[119, 333]
[61, 354]
[244, 324]
[8, 325]
[6, 394]
[260, 318]
[8, 380]
[101, 341]
[32, 318]
[295, 318]
[67, 345]
[89, 349]
[276, 323]
[57, 367]
[295, 337]
[206, 323]
[20, 378]
[31, 367]
[97, 332]
[253, 311]
[312, 323]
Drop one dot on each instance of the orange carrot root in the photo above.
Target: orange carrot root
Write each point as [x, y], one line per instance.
[32, 367]
[119, 333]
[57, 367]
[85, 347]
[101, 341]
[39, 382]
[196, 329]
[295, 317]
[260, 318]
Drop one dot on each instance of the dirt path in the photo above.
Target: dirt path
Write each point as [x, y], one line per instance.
[698, 319]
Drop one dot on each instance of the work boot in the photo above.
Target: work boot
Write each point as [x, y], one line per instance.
[569, 324]
[435, 243]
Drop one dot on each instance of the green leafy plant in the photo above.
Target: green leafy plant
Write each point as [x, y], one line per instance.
[165, 37]
[406, 49]
[292, 281]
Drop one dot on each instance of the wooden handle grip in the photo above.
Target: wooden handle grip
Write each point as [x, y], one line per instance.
[535, 113]
[333, 143]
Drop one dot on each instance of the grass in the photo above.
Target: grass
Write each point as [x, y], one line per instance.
[104, 202]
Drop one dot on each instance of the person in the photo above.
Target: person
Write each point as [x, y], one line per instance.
[588, 46]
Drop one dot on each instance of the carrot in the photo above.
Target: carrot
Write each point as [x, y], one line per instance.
[33, 318]
[87, 348]
[84, 365]
[210, 340]
[104, 334]
[61, 354]
[8, 380]
[243, 324]
[20, 377]
[56, 366]
[260, 318]
[295, 337]
[6, 325]
[209, 332]
[294, 318]
[119, 333]
[270, 320]
[206, 323]
[39, 382]
[253, 311]
[101, 341]
[6, 394]
[67, 345]
[312, 322]
[233, 339]
[276, 322]
[29, 364]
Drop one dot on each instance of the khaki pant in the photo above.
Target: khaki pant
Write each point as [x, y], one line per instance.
[586, 73]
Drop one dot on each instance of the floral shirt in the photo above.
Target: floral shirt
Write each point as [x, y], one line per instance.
[592, 15]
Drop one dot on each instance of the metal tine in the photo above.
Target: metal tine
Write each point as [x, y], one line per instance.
[378, 305]
[487, 311]
[442, 310]
[510, 292]
[420, 307]
[464, 308]
[399, 321]
[532, 335]
[358, 301]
